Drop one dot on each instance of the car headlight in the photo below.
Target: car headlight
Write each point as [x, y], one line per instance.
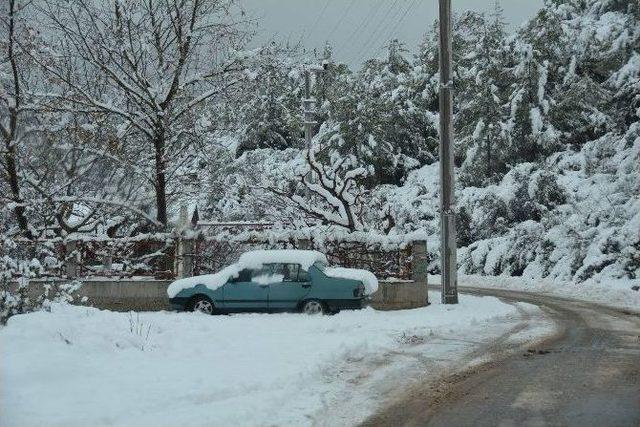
[359, 291]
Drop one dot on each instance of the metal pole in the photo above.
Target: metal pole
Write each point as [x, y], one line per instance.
[309, 113]
[447, 199]
[307, 105]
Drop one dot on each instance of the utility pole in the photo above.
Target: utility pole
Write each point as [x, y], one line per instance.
[448, 263]
[308, 112]
[309, 107]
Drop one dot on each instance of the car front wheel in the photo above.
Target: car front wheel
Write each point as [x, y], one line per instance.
[313, 307]
[202, 304]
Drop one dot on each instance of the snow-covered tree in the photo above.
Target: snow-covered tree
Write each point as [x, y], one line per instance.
[481, 110]
[158, 63]
[16, 109]
[330, 187]
[267, 114]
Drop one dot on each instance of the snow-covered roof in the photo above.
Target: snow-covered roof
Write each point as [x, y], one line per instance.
[251, 259]
[255, 259]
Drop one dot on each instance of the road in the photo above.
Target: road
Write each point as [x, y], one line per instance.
[587, 374]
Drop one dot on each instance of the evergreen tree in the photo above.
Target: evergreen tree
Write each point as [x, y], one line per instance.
[269, 114]
[481, 110]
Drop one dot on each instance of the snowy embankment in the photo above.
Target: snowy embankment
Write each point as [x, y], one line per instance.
[614, 293]
[78, 366]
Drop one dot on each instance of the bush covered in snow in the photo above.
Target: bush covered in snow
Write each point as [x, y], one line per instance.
[18, 293]
[21, 297]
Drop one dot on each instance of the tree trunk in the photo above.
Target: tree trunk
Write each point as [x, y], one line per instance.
[10, 133]
[351, 223]
[12, 175]
[161, 179]
[489, 168]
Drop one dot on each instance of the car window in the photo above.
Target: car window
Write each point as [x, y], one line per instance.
[320, 265]
[277, 272]
[243, 276]
[289, 272]
[266, 275]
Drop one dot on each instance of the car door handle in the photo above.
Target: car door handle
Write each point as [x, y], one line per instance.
[264, 286]
[306, 285]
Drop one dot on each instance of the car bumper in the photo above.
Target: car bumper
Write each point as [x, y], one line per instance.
[178, 304]
[347, 304]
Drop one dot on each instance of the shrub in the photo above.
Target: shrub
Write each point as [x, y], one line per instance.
[20, 297]
[546, 191]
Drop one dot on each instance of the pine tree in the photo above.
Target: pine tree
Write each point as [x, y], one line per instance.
[268, 115]
[481, 111]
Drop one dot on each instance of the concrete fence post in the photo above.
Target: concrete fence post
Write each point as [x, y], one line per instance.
[419, 264]
[304, 244]
[107, 262]
[188, 247]
[71, 259]
[184, 258]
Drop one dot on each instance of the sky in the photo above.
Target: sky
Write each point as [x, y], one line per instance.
[360, 29]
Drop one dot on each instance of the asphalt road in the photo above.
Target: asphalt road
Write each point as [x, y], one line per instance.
[588, 374]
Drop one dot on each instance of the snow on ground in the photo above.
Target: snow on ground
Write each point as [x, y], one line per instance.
[79, 366]
[612, 292]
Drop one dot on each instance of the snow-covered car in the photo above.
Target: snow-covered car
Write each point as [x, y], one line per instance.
[275, 281]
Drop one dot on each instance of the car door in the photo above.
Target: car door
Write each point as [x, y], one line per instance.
[294, 286]
[245, 294]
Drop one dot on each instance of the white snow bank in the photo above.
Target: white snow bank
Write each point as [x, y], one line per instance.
[79, 366]
[366, 277]
[614, 293]
[251, 259]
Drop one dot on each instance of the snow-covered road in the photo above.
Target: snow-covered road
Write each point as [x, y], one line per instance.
[78, 366]
[587, 374]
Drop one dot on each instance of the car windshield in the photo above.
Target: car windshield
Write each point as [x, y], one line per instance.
[320, 265]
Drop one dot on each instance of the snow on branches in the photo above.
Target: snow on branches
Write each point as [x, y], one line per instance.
[330, 183]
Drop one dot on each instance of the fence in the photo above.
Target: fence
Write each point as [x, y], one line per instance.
[145, 256]
[133, 274]
[203, 256]
[167, 256]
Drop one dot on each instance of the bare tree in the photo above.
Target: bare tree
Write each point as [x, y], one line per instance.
[78, 185]
[12, 109]
[160, 60]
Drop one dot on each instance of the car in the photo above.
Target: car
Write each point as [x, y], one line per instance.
[275, 281]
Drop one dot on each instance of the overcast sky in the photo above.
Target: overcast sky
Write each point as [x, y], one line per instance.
[359, 29]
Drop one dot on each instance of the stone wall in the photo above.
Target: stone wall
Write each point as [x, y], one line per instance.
[400, 295]
[151, 295]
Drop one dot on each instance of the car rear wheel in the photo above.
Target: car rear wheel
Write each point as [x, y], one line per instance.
[312, 307]
[202, 304]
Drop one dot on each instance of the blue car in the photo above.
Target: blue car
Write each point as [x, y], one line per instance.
[275, 281]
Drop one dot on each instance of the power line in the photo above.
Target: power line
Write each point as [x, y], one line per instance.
[317, 21]
[376, 34]
[377, 29]
[363, 24]
[410, 5]
[341, 20]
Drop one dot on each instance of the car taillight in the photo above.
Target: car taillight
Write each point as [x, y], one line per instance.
[359, 291]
